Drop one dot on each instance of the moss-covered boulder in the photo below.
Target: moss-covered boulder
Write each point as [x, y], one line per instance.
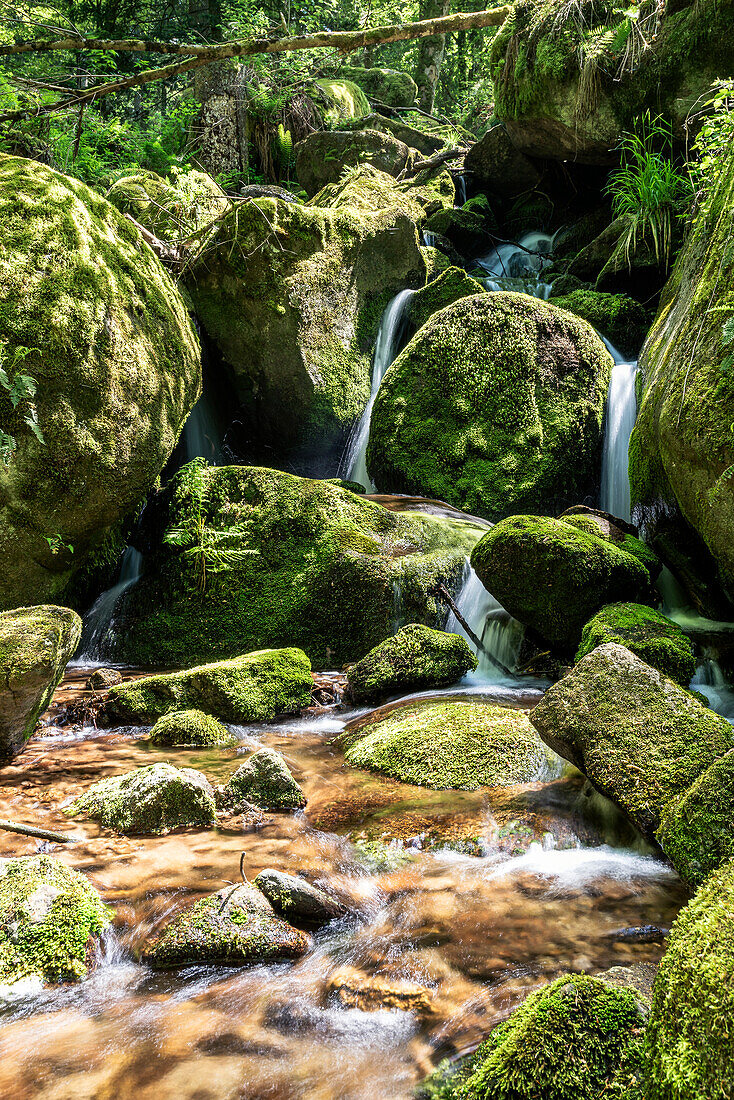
[307, 564]
[386, 86]
[466, 228]
[233, 927]
[323, 156]
[190, 729]
[296, 899]
[338, 100]
[35, 645]
[567, 87]
[414, 659]
[496, 406]
[450, 285]
[152, 799]
[697, 829]
[682, 447]
[615, 530]
[172, 207]
[265, 780]
[640, 738]
[292, 296]
[652, 636]
[369, 190]
[102, 679]
[116, 363]
[420, 131]
[50, 918]
[621, 319]
[689, 1035]
[553, 576]
[256, 687]
[456, 745]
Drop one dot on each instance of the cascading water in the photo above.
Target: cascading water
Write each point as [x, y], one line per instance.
[201, 437]
[621, 412]
[99, 620]
[518, 265]
[499, 633]
[460, 185]
[392, 329]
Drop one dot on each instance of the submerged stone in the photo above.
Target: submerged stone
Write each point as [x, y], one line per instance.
[649, 634]
[256, 687]
[233, 927]
[265, 780]
[296, 899]
[457, 746]
[352, 988]
[50, 917]
[413, 659]
[102, 679]
[190, 729]
[35, 645]
[697, 829]
[152, 799]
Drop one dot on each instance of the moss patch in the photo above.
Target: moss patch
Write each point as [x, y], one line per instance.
[449, 287]
[154, 799]
[171, 208]
[697, 829]
[654, 637]
[265, 780]
[413, 659]
[189, 729]
[620, 318]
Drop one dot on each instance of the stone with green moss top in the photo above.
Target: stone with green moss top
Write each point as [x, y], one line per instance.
[553, 576]
[50, 918]
[366, 188]
[256, 687]
[450, 285]
[296, 899]
[316, 566]
[450, 746]
[234, 927]
[624, 321]
[153, 799]
[117, 364]
[35, 646]
[414, 659]
[640, 738]
[420, 131]
[190, 729]
[173, 207]
[324, 156]
[495, 406]
[697, 829]
[388, 86]
[265, 780]
[652, 636]
[614, 530]
[339, 101]
[689, 1036]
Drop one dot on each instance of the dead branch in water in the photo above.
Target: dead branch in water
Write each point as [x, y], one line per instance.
[446, 596]
[42, 834]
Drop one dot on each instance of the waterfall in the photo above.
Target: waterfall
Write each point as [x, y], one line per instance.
[100, 617]
[201, 437]
[711, 682]
[621, 412]
[518, 265]
[460, 185]
[499, 633]
[392, 328]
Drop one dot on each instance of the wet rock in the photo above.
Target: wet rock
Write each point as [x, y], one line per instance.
[153, 799]
[697, 828]
[296, 899]
[553, 576]
[233, 927]
[35, 645]
[459, 746]
[190, 729]
[265, 780]
[498, 166]
[102, 679]
[50, 917]
[414, 659]
[322, 157]
[256, 687]
[649, 634]
[352, 988]
[640, 738]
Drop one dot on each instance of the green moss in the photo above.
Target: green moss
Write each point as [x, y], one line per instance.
[346, 100]
[265, 780]
[690, 1038]
[396, 89]
[620, 318]
[449, 287]
[597, 525]
[458, 746]
[496, 406]
[153, 799]
[654, 637]
[190, 729]
[697, 829]
[414, 659]
[324, 157]
[170, 208]
[117, 364]
[49, 916]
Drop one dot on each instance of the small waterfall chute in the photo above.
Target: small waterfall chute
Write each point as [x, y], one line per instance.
[621, 413]
[201, 436]
[99, 620]
[501, 635]
[518, 265]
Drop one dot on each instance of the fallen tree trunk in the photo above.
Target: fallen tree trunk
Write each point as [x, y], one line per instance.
[42, 834]
[434, 161]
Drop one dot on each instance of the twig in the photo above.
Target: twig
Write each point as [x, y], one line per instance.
[445, 595]
[43, 834]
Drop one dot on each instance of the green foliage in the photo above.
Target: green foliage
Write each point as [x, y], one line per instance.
[713, 140]
[21, 389]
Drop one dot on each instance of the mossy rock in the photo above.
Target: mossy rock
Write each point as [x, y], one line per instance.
[172, 207]
[116, 361]
[495, 406]
[617, 531]
[265, 780]
[450, 285]
[697, 829]
[652, 636]
[388, 86]
[468, 230]
[153, 799]
[256, 687]
[296, 899]
[414, 659]
[450, 746]
[313, 565]
[579, 1038]
[35, 646]
[689, 1036]
[553, 576]
[344, 101]
[682, 446]
[369, 190]
[234, 927]
[420, 131]
[496, 165]
[640, 738]
[50, 918]
[621, 319]
[323, 157]
[190, 729]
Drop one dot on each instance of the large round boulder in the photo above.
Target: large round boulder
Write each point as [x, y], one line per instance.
[651, 635]
[388, 86]
[116, 364]
[325, 155]
[152, 799]
[414, 659]
[496, 406]
[170, 207]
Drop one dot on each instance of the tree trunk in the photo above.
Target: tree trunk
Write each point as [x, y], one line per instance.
[430, 55]
[220, 128]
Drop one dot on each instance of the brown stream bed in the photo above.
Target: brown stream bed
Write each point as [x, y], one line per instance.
[446, 942]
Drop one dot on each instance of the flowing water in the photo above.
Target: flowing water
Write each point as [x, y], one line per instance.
[201, 436]
[518, 265]
[501, 635]
[463, 901]
[99, 620]
[392, 330]
[620, 415]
